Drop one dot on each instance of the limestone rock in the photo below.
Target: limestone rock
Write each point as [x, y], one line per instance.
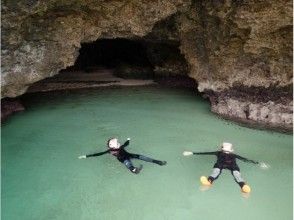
[227, 45]
[40, 38]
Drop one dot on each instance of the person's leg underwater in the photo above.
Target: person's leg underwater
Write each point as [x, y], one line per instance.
[129, 165]
[148, 159]
[214, 175]
[237, 176]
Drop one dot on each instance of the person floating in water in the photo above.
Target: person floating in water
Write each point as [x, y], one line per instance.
[226, 159]
[123, 156]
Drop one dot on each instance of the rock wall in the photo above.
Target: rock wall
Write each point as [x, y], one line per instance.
[40, 37]
[10, 106]
[239, 52]
[246, 46]
[247, 42]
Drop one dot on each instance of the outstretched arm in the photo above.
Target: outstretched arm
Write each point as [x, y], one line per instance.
[94, 155]
[188, 153]
[126, 143]
[206, 153]
[246, 160]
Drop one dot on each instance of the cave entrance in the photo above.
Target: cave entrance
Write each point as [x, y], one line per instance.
[136, 58]
[118, 60]
[127, 58]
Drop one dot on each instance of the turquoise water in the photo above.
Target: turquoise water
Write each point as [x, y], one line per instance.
[43, 179]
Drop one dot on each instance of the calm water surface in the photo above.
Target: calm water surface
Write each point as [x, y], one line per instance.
[43, 179]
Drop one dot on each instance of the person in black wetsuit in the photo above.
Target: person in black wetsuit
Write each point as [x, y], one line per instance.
[123, 156]
[225, 160]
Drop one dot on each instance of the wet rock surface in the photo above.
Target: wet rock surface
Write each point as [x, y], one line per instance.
[10, 106]
[268, 108]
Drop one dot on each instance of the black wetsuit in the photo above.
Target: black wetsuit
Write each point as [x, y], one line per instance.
[125, 157]
[226, 161]
[121, 154]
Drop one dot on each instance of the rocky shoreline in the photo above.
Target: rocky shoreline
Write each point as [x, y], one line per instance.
[249, 107]
[270, 108]
[9, 107]
[257, 125]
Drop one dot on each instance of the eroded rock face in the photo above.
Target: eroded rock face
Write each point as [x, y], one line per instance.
[231, 47]
[243, 42]
[10, 106]
[271, 107]
[247, 43]
[40, 38]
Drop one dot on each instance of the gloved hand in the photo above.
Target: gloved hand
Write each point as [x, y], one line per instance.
[264, 166]
[128, 139]
[187, 153]
[82, 157]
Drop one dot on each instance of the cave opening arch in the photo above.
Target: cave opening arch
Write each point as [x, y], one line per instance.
[106, 60]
